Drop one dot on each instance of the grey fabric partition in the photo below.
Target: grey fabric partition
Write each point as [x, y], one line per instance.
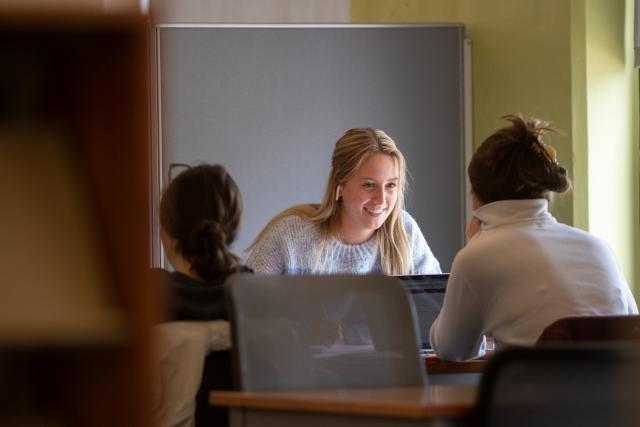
[269, 103]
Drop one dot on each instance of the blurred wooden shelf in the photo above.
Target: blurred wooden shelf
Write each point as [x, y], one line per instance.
[76, 302]
[71, 329]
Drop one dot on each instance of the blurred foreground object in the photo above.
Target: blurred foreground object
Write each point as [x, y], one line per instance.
[75, 303]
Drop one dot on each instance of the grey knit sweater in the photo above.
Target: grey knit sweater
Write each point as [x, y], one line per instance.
[290, 246]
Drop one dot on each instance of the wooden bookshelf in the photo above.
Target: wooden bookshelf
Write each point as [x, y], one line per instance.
[76, 304]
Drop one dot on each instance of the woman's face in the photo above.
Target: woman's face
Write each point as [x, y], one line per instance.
[368, 198]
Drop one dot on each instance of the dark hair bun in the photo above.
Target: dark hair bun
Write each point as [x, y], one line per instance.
[514, 163]
[207, 235]
[558, 181]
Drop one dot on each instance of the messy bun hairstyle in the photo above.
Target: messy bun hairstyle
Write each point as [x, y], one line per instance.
[201, 209]
[514, 163]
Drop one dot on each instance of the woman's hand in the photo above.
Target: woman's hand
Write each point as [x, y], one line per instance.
[473, 227]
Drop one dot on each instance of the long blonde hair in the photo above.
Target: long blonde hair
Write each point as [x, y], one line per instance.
[351, 150]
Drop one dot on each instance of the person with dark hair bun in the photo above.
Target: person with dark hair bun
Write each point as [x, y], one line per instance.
[200, 214]
[199, 217]
[521, 270]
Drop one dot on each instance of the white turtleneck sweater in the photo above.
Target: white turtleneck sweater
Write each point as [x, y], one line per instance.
[291, 245]
[522, 271]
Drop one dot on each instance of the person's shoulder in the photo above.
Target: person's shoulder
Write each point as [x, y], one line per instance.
[585, 238]
[479, 249]
[407, 216]
[578, 232]
[298, 224]
[408, 220]
[410, 224]
[287, 224]
[292, 228]
[295, 221]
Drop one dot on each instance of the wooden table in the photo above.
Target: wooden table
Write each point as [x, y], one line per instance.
[469, 372]
[436, 366]
[440, 405]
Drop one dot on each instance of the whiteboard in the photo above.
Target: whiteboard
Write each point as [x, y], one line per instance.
[269, 102]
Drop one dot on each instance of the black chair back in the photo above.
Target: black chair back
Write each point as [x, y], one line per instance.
[576, 386]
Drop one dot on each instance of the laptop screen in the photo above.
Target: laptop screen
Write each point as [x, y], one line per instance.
[427, 294]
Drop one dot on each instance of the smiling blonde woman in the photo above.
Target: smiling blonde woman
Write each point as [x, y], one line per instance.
[360, 227]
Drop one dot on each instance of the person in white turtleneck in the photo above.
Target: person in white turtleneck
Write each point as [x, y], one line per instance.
[521, 270]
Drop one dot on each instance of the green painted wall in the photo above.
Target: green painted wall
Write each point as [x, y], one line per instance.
[520, 60]
[566, 61]
[579, 128]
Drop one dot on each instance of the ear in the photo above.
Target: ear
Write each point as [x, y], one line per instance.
[164, 238]
[170, 247]
[475, 201]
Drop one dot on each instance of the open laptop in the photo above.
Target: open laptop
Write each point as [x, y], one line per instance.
[427, 294]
